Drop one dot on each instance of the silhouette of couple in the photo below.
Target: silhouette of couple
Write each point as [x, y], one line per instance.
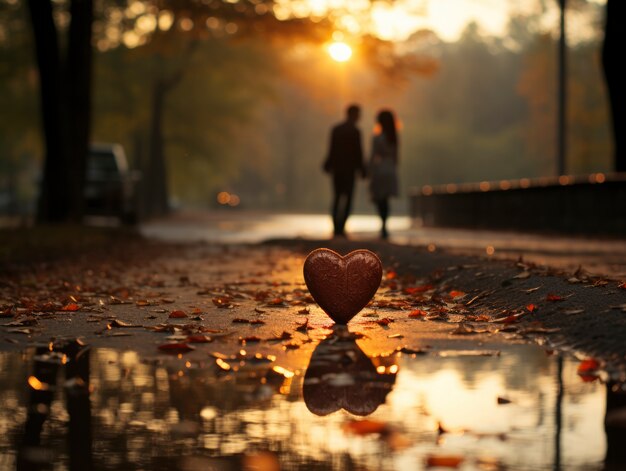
[345, 160]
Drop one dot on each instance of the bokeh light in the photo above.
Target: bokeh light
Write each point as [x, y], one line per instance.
[339, 51]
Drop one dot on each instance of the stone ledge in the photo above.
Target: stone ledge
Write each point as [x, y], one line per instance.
[587, 204]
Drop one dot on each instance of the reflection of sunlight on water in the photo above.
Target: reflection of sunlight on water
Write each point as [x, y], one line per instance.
[255, 227]
[143, 412]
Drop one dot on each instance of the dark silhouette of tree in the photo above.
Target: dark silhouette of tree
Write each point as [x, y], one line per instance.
[615, 75]
[65, 105]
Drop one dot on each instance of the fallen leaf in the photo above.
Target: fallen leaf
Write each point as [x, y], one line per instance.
[418, 314]
[418, 289]
[276, 302]
[259, 311]
[554, 298]
[522, 276]
[222, 302]
[503, 400]
[365, 427]
[385, 321]
[282, 336]
[304, 310]
[119, 323]
[412, 351]
[199, 339]
[175, 348]
[571, 312]
[587, 366]
[395, 336]
[622, 285]
[391, 275]
[531, 290]
[456, 294]
[70, 307]
[444, 461]
[510, 319]
[531, 308]
[465, 329]
[177, 314]
[304, 326]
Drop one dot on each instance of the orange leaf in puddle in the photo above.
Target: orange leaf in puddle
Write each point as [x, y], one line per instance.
[177, 314]
[418, 313]
[176, 348]
[365, 427]
[70, 307]
[443, 461]
[588, 370]
[554, 297]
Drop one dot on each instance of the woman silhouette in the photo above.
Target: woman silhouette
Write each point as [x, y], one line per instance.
[383, 165]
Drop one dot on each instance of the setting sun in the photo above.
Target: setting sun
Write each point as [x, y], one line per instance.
[340, 51]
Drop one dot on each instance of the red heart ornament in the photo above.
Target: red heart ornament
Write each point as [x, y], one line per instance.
[342, 286]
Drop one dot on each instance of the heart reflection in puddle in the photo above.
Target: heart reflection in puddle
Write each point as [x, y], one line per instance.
[341, 376]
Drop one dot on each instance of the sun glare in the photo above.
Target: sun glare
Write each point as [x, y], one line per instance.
[340, 51]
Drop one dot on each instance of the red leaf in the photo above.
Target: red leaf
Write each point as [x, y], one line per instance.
[456, 294]
[177, 314]
[391, 275]
[622, 285]
[588, 370]
[418, 313]
[531, 308]
[223, 302]
[554, 298]
[276, 302]
[365, 427]
[384, 321]
[418, 289]
[443, 461]
[70, 307]
[176, 348]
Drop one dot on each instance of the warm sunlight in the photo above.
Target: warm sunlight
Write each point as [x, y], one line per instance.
[340, 51]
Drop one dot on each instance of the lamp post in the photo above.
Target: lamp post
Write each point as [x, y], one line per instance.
[562, 94]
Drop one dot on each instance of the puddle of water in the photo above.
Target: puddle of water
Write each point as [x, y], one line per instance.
[521, 410]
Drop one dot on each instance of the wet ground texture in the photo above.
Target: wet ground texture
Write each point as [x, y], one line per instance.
[201, 355]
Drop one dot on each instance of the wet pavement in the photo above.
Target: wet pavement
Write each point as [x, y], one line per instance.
[519, 409]
[214, 356]
[599, 255]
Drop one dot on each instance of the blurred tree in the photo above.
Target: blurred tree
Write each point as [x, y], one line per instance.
[615, 75]
[65, 83]
[18, 144]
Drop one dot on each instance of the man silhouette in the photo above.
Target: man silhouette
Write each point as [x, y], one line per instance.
[345, 158]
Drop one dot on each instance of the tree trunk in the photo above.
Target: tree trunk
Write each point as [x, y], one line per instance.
[53, 193]
[65, 107]
[615, 75]
[155, 184]
[156, 178]
[78, 79]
